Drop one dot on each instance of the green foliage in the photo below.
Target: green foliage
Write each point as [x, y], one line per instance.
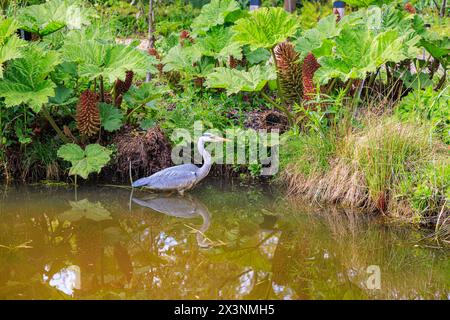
[319, 39]
[92, 159]
[26, 79]
[256, 56]
[51, 16]
[311, 12]
[428, 106]
[110, 61]
[10, 44]
[145, 93]
[358, 52]
[234, 80]
[110, 116]
[217, 43]
[213, 14]
[360, 3]
[182, 59]
[429, 189]
[265, 28]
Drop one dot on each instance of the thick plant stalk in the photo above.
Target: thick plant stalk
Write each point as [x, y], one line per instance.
[280, 92]
[102, 90]
[54, 125]
[289, 5]
[151, 31]
[443, 8]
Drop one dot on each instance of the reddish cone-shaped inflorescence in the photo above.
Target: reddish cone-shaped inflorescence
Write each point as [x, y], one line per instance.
[233, 62]
[128, 80]
[184, 35]
[155, 53]
[310, 65]
[410, 8]
[121, 87]
[289, 72]
[88, 114]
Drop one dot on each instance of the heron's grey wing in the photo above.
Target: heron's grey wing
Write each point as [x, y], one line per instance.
[173, 178]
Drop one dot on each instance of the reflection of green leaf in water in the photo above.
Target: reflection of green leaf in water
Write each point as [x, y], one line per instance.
[85, 209]
[250, 257]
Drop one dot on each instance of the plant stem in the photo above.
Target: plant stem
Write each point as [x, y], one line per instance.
[54, 125]
[280, 93]
[279, 107]
[102, 90]
[151, 31]
[443, 8]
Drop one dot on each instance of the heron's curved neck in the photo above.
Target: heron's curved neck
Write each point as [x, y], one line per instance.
[207, 161]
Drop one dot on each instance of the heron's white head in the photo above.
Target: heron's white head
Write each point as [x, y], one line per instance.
[209, 137]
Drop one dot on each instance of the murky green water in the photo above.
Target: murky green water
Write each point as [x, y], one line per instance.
[220, 242]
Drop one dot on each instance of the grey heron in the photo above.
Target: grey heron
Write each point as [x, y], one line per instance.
[182, 177]
[180, 207]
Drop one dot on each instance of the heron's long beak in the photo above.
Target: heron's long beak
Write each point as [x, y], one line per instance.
[222, 139]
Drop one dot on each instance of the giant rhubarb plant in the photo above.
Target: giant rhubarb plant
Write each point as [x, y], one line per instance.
[358, 51]
[234, 80]
[51, 16]
[26, 81]
[99, 57]
[214, 13]
[10, 44]
[265, 28]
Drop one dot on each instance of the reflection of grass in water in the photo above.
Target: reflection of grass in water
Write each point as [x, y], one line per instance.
[351, 245]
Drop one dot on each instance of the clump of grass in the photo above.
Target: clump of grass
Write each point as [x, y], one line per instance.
[40, 157]
[390, 166]
[386, 153]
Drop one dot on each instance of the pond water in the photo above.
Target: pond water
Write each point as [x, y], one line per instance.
[222, 241]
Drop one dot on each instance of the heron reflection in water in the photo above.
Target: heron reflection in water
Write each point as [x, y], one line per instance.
[187, 207]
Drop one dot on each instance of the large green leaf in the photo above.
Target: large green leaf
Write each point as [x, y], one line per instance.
[234, 80]
[213, 14]
[217, 43]
[145, 93]
[360, 3]
[26, 79]
[359, 51]
[53, 15]
[110, 61]
[182, 59]
[319, 39]
[110, 116]
[265, 28]
[10, 44]
[84, 162]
